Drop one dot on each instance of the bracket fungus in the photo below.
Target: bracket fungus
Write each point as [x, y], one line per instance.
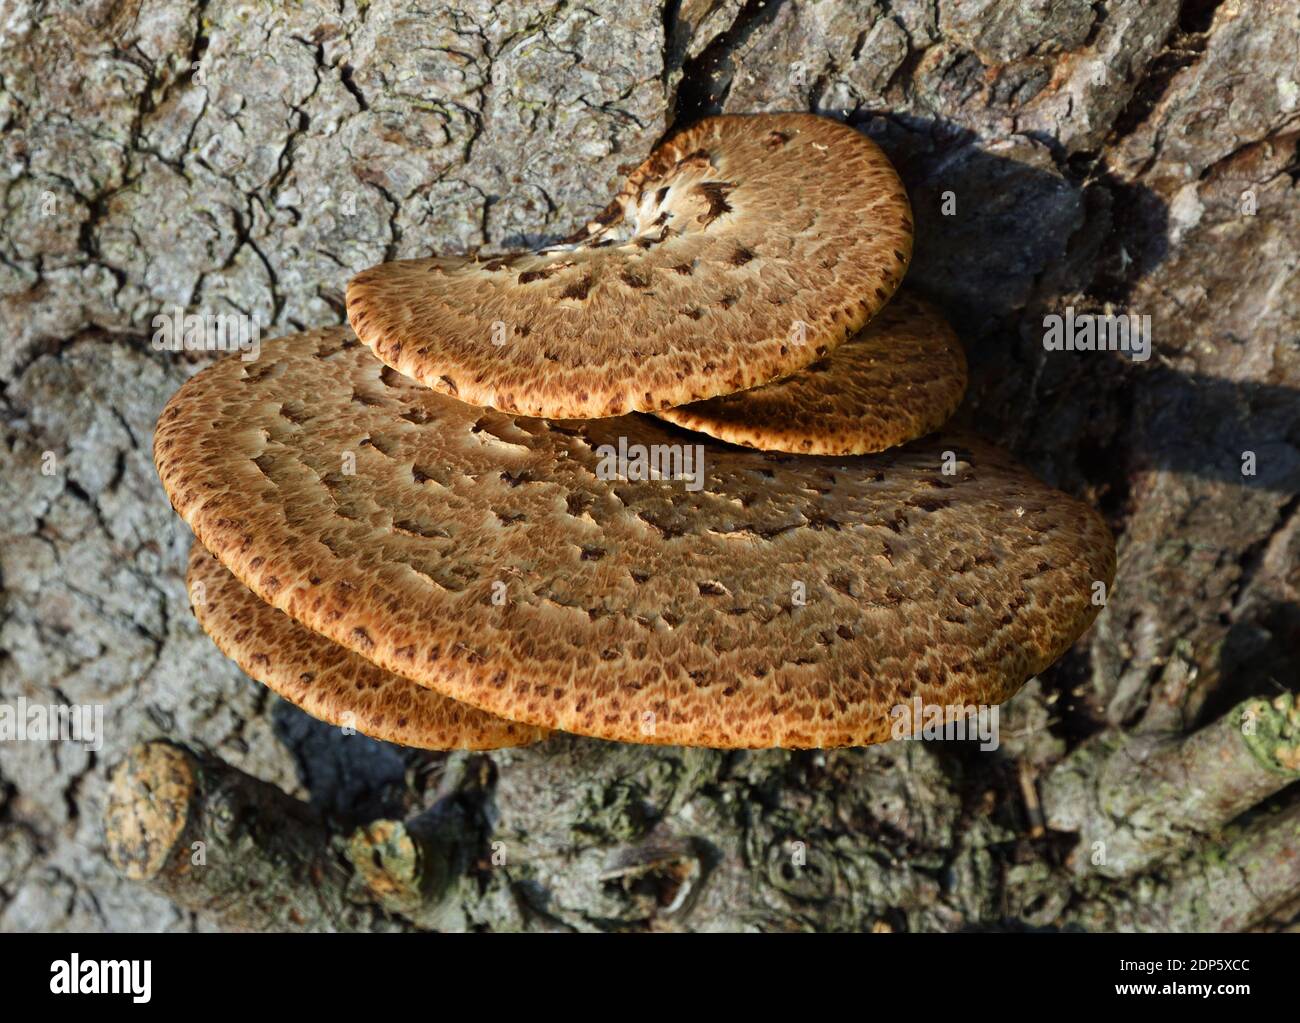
[791, 601]
[431, 526]
[741, 250]
[330, 683]
[897, 379]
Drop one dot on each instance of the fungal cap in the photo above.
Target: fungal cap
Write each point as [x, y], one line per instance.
[784, 601]
[897, 379]
[741, 250]
[330, 683]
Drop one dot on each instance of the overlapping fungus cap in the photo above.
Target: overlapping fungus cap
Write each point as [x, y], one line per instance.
[329, 682]
[899, 378]
[743, 249]
[505, 562]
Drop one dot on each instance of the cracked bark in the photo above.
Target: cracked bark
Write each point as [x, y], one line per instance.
[322, 137]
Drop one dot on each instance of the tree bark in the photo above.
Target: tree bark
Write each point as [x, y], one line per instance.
[219, 842]
[1134, 799]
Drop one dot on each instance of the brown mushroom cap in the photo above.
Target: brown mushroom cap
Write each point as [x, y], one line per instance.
[743, 249]
[792, 601]
[899, 378]
[329, 682]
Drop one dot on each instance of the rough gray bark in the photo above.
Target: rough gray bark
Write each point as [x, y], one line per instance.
[1253, 871]
[222, 157]
[624, 869]
[1136, 798]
